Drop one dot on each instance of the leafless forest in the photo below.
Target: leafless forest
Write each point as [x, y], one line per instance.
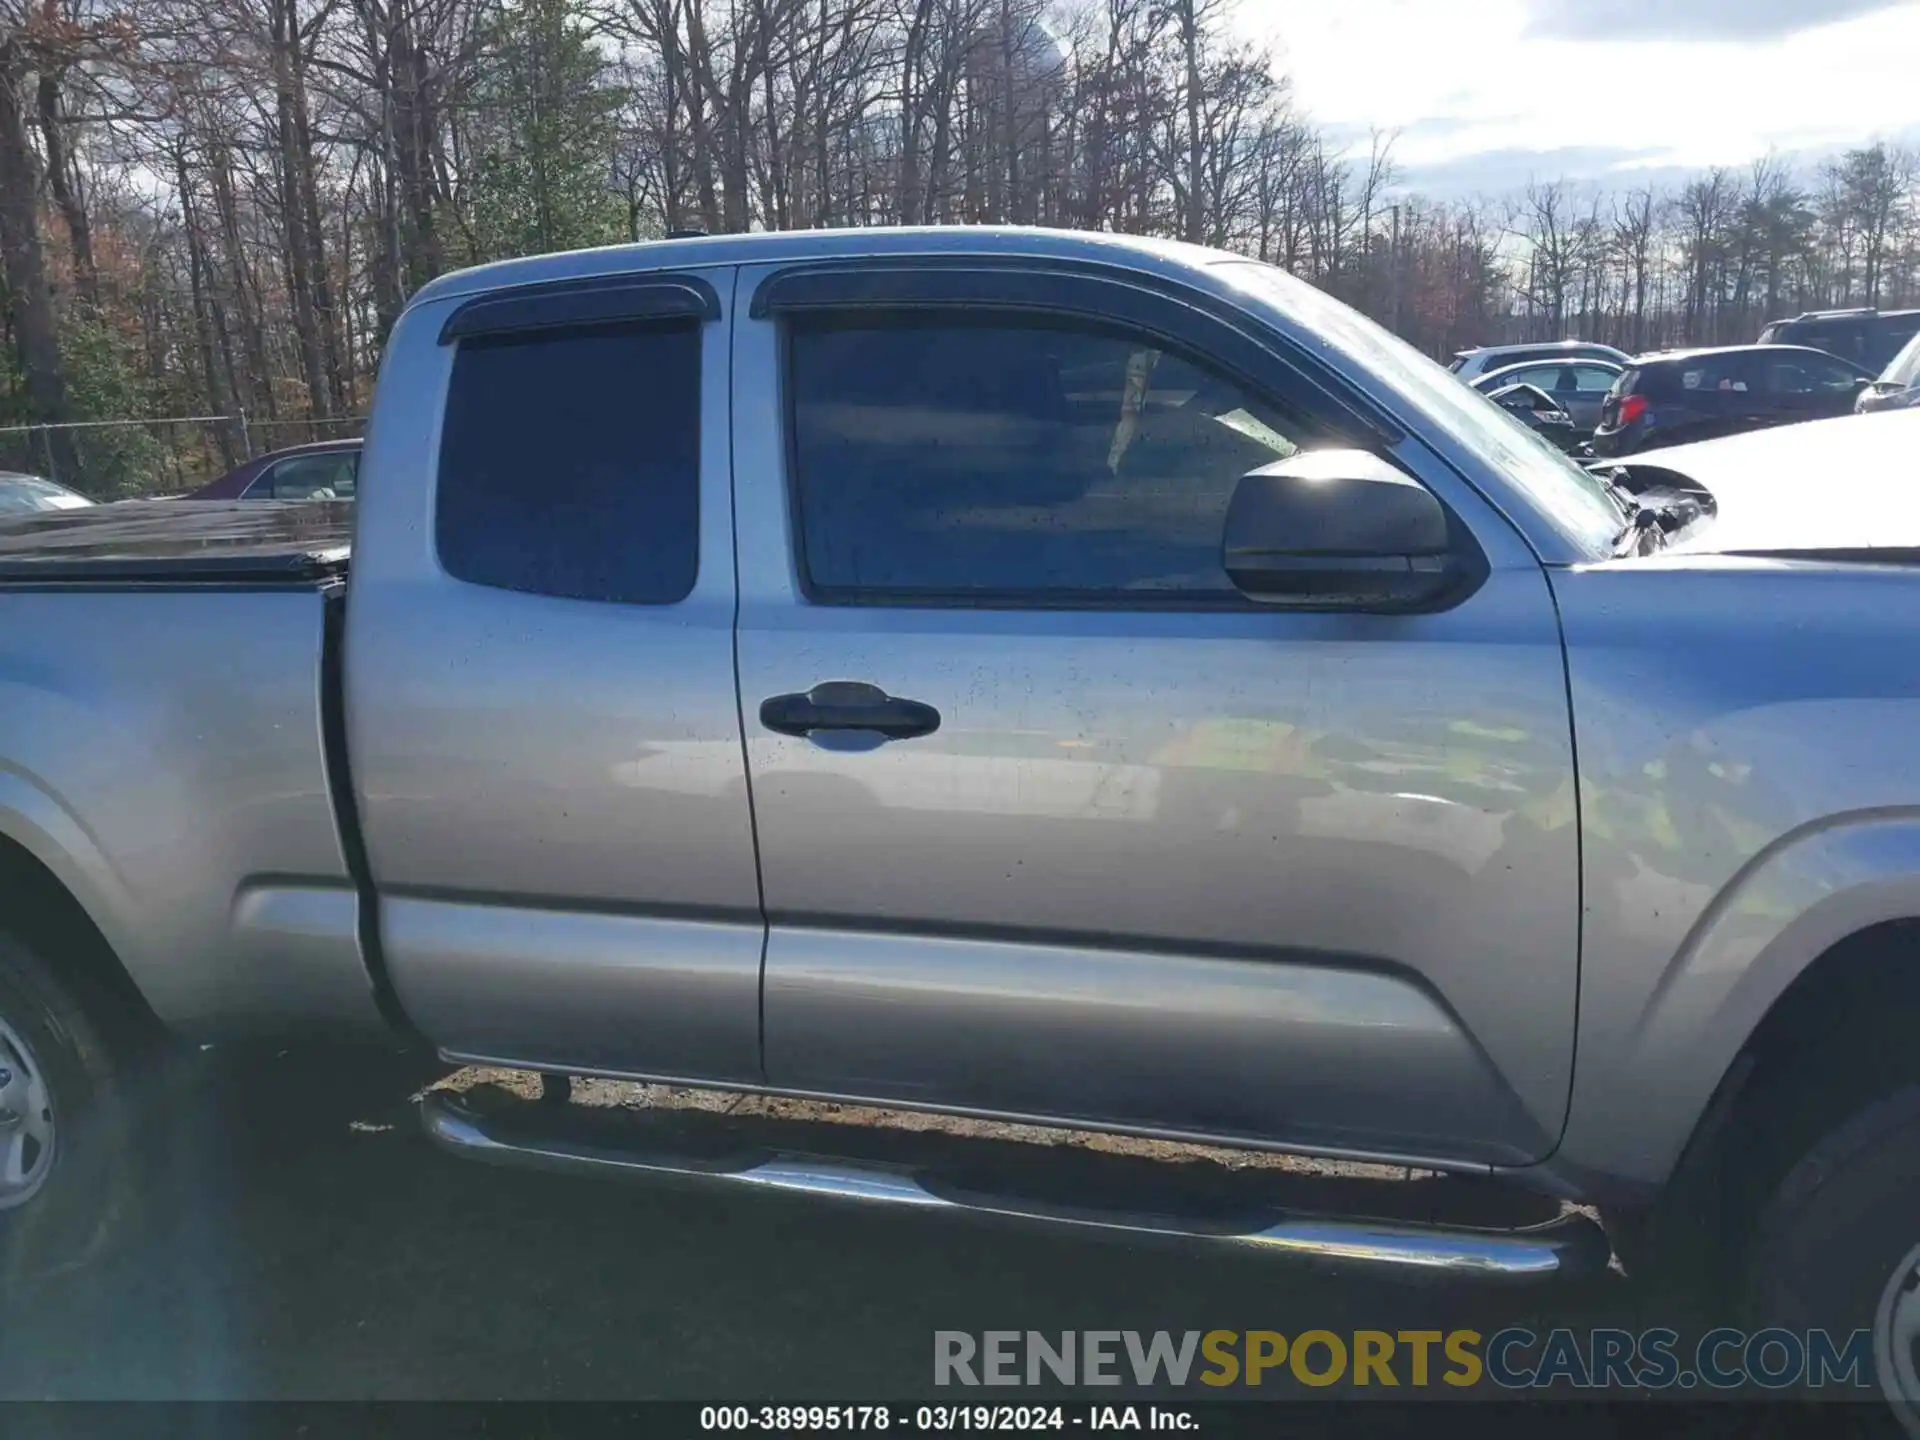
[216, 208]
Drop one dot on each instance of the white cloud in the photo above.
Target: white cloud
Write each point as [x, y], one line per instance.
[1460, 78]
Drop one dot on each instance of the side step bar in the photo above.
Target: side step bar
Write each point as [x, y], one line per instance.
[1568, 1247]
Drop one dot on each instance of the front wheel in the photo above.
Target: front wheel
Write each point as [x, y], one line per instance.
[62, 1180]
[1837, 1247]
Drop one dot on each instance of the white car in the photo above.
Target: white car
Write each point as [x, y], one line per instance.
[1898, 387]
[1470, 365]
[24, 494]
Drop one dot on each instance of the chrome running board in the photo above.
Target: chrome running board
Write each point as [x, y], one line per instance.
[1568, 1247]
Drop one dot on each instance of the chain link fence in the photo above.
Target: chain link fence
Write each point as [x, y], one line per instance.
[121, 459]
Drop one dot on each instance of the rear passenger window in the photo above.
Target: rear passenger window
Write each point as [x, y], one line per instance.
[1718, 374]
[570, 463]
[1547, 377]
[1009, 458]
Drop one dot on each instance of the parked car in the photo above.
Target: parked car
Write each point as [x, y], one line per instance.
[1187, 749]
[1470, 365]
[1540, 413]
[1898, 387]
[1867, 337]
[325, 470]
[1674, 396]
[26, 494]
[1577, 386]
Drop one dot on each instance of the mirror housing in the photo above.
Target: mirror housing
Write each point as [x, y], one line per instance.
[1339, 530]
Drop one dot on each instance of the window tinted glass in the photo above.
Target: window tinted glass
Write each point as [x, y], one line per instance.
[570, 463]
[1590, 379]
[1807, 375]
[1887, 342]
[1014, 458]
[1547, 377]
[1719, 374]
[1654, 381]
[1857, 340]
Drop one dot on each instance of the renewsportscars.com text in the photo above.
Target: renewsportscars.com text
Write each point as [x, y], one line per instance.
[1513, 1359]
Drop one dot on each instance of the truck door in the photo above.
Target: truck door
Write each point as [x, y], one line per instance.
[540, 699]
[1053, 821]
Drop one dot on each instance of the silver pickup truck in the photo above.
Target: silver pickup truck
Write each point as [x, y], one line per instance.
[1056, 678]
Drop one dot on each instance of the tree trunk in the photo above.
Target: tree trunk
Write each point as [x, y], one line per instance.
[61, 181]
[218, 401]
[252, 335]
[29, 300]
[1194, 224]
[293, 222]
[326, 315]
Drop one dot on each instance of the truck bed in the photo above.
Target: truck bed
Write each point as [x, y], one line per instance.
[179, 542]
[167, 673]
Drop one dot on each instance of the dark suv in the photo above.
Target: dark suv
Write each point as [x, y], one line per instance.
[1867, 337]
[1674, 396]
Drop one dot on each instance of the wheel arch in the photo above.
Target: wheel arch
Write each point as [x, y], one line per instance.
[1840, 983]
[56, 890]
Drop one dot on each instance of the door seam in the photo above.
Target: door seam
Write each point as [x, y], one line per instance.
[739, 703]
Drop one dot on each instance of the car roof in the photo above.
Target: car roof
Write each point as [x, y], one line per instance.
[1535, 345]
[352, 442]
[772, 247]
[1598, 360]
[1827, 317]
[1702, 352]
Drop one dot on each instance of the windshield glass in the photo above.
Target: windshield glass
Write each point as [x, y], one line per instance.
[1904, 368]
[1572, 499]
[24, 494]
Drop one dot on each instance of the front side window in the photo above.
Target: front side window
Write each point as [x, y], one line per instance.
[1006, 457]
[1809, 375]
[570, 462]
[307, 477]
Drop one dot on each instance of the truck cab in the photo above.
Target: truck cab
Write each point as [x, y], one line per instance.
[1060, 679]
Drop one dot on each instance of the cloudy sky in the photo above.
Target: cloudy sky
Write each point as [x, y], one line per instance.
[1486, 93]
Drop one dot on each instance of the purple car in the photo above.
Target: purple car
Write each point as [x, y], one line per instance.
[321, 471]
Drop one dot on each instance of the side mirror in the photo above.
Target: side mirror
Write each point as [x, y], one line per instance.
[1339, 530]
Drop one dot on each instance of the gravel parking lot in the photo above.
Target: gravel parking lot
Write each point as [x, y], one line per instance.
[308, 1243]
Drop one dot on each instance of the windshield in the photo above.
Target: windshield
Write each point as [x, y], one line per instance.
[1904, 368]
[1572, 500]
[24, 494]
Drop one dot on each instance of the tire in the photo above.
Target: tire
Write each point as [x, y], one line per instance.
[64, 1178]
[1837, 1247]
